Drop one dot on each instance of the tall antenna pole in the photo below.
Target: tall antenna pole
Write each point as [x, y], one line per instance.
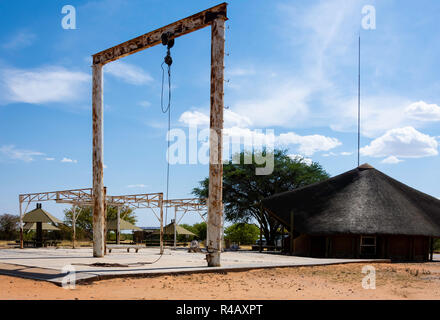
[359, 100]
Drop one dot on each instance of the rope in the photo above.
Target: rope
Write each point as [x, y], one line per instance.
[167, 61]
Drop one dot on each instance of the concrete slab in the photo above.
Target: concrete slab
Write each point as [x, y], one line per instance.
[47, 263]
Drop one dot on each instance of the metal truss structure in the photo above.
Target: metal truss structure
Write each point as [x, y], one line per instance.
[184, 206]
[84, 198]
[79, 198]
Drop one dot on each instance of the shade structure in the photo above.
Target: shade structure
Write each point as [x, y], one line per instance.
[124, 225]
[169, 229]
[45, 226]
[40, 215]
[362, 201]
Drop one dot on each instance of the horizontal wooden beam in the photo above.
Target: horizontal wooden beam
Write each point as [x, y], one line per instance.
[153, 38]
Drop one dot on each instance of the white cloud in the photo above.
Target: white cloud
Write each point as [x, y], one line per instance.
[19, 154]
[194, 118]
[20, 40]
[144, 104]
[378, 114]
[249, 137]
[404, 142]
[423, 111]
[136, 186]
[274, 104]
[391, 160]
[41, 85]
[49, 159]
[237, 127]
[67, 160]
[334, 154]
[309, 144]
[127, 72]
[240, 72]
[300, 158]
[200, 119]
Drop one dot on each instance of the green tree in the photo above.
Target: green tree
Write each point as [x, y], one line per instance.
[84, 222]
[242, 233]
[9, 225]
[243, 190]
[199, 229]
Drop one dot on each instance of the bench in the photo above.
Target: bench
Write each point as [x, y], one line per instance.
[124, 246]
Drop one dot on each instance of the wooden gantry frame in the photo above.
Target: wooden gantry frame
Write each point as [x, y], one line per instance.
[214, 17]
[83, 197]
[184, 206]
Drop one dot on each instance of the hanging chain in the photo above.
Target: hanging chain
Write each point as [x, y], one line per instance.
[166, 40]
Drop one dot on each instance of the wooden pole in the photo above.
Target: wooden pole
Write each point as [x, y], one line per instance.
[105, 221]
[39, 234]
[261, 238]
[291, 232]
[161, 224]
[21, 223]
[73, 226]
[175, 225]
[98, 164]
[118, 226]
[215, 205]
[431, 249]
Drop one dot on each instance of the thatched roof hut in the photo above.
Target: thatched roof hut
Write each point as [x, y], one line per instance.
[359, 203]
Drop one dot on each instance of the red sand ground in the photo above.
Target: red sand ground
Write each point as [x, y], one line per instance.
[393, 281]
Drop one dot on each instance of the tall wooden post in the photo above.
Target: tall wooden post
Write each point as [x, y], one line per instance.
[21, 223]
[261, 237]
[105, 220]
[73, 226]
[175, 226]
[291, 232]
[431, 249]
[161, 224]
[118, 226]
[98, 164]
[39, 234]
[215, 204]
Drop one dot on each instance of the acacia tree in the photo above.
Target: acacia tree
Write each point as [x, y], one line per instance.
[84, 221]
[243, 190]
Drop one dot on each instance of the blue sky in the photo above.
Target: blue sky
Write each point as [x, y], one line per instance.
[291, 66]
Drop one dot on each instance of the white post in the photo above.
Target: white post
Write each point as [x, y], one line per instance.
[21, 223]
[175, 225]
[215, 202]
[161, 224]
[118, 226]
[98, 164]
[73, 226]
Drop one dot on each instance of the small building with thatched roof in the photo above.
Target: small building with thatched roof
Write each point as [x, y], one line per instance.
[123, 225]
[41, 220]
[45, 226]
[361, 213]
[169, 230]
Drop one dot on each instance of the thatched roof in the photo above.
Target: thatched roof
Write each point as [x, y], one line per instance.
[45, 226]
[169, 229]
[40, 215]
[360, 201]
[123, 225]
